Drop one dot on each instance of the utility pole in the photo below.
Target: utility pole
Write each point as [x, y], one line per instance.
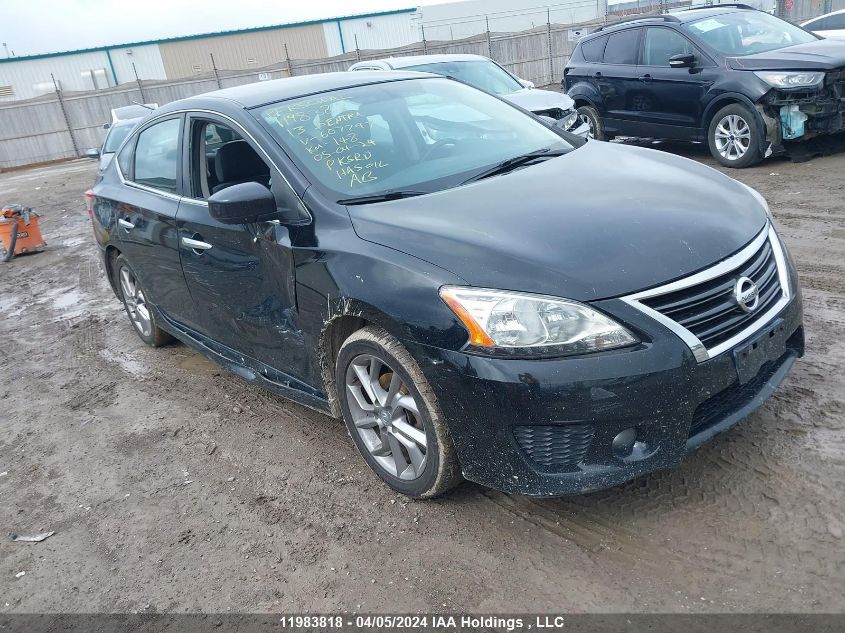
[425, 46]
[65, 115]
[357, 50]
[214, 67]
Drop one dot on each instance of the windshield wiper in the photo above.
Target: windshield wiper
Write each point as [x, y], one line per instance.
[382, 197]
[512, 163]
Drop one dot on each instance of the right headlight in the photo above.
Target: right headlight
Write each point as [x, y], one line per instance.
[568, 119]
[520, 324]
[781, 79]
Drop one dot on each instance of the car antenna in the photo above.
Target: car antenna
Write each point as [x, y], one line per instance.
[143, 105]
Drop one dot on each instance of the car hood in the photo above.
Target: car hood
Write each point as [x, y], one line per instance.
[533, 99]
[818, 55]
[602, 221]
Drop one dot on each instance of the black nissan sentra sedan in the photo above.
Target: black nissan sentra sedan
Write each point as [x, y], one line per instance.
[475, 293]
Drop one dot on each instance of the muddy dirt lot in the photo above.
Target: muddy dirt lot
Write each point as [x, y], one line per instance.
[174, 486]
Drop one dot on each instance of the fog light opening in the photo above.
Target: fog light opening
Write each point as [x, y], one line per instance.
[623, 443]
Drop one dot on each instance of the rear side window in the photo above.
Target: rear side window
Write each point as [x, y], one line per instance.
[622, 47]
[124, 159]
[593, 51]
[157, 156]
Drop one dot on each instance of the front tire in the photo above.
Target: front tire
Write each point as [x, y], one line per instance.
[140, 312]
[393, 416]
[734, 137]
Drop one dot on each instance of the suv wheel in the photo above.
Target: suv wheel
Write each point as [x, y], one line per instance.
[733, 137]
[393, 416]
[590, 116]
[137, 307]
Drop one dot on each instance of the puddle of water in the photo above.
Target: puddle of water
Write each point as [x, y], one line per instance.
[127, 364]
[197, 362]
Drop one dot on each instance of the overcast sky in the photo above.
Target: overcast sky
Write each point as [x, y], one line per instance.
[29, 27]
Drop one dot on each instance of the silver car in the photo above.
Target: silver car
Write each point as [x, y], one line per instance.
[485, 74]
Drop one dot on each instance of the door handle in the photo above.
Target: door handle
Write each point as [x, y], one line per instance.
[197, 246]
[646, 78]
[125, 224]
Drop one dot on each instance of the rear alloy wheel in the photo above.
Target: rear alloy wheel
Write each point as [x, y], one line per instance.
[590, 116]
[136, 305]
[392, 415]
[733, 137]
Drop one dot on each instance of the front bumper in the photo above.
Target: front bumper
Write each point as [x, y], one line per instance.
[547, 427]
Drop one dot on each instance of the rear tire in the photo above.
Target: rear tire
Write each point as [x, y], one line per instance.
[393, 416]
[590, 116]
[141, 313]
[734, 137]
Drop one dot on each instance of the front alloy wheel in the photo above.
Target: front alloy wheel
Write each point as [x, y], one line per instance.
[386, 417]
[393, 416]
[733, 137]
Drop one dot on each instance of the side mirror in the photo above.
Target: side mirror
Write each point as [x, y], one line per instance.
[682, 61]
[526, 84]
[106, 126]
[242, 204]
[92, 152]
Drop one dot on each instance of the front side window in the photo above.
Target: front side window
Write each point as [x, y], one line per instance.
[423, 135]
[482, 74]
[622, 47]
[661, 45]
[157, 156]
[747, 32]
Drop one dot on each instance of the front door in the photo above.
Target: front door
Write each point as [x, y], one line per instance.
[672, 99]
[241, 277]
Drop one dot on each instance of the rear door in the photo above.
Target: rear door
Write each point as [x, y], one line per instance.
[146, 213]
[617, 79]
[671, 100]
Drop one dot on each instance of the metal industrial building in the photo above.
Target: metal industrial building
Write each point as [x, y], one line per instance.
[174, 58]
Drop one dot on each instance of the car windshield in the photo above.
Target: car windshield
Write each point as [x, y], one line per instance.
[117, 133]
[747, 32]
[421, 134]
[482, 74]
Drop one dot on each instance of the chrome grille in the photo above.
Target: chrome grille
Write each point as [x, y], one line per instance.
[702, 309]
[710, 311]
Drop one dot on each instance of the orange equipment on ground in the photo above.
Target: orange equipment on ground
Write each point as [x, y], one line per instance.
[19, 232]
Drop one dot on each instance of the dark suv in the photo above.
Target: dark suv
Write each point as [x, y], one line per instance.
[743, 80]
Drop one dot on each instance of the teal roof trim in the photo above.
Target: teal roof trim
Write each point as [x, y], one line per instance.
[199, 36]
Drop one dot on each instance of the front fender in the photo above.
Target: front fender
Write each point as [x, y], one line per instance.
[727, 98]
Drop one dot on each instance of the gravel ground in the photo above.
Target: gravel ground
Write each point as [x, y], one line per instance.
[175, 486]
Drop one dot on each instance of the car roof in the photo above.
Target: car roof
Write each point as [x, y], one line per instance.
[263, 92]
[416, 60]
[672, 17]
